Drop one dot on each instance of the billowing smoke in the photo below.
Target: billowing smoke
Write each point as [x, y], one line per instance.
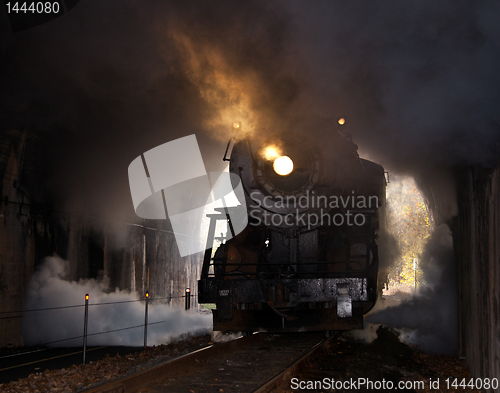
[49, 289]
[429, 319]
[366, 335]
[388, 254]
[417, 82]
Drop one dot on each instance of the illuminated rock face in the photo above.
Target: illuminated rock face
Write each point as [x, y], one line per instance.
[33, 225]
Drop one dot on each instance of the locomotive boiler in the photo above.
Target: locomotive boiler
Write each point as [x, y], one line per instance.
[308, 258]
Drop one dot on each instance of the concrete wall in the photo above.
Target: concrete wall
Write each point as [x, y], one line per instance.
[129, 254]
[477, 247]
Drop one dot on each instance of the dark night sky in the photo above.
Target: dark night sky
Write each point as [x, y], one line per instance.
[417, 81]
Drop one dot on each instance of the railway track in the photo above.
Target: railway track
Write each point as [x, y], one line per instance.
[258, 363]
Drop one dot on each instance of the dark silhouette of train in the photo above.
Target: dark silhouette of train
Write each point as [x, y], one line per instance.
[308, 258]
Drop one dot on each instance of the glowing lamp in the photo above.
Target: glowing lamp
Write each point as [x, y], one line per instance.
[86, 297]
[341, 121]
[188, 290]
[271, 153]
[283, 165]
[147, 294]
[236, 125]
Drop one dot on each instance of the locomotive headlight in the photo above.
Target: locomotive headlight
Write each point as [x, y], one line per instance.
[283, 165]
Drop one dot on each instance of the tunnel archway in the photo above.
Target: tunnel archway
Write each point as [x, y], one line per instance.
[467, 200]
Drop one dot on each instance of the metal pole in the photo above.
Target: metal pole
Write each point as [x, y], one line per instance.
[85, 323]
[188, 299]
[146, 322]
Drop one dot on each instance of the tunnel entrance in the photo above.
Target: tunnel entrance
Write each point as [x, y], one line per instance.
[418, 272]
[410, 223]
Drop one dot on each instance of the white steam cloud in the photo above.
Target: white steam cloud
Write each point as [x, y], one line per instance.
[49, 289]
[430, 318]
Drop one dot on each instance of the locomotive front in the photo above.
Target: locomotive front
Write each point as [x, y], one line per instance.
[307, 260]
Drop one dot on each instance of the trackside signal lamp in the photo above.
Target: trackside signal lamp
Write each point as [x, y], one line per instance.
[188, 299]
[85, 324]
[146, 320]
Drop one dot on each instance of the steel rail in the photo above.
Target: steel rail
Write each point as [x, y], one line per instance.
[281, 378]
[172, 368]
[189, 363]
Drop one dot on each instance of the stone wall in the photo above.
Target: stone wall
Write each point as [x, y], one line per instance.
[477, 247]
[137, 256]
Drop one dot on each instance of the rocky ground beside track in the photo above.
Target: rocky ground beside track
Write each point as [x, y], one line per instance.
[386, 355]
[384, 359]
[75, 378]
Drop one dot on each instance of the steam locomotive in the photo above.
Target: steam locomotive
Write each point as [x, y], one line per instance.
[308, 258]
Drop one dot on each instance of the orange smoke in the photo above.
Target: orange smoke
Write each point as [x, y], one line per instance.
[271, 152]
[231, 94]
